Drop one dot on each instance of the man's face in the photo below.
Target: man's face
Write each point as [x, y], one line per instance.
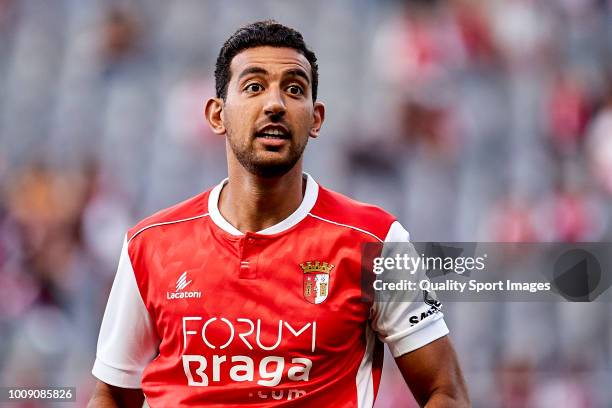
[268, 113]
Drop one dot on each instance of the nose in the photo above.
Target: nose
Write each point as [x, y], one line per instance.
[275, 105]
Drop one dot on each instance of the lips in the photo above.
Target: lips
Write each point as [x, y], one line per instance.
[273, 132]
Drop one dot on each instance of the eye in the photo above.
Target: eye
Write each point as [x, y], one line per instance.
[295, 90]
[253, 87]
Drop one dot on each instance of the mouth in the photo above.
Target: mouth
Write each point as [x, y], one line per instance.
[273, 132]
[273, 135]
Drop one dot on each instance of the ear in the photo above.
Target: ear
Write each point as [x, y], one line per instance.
[318, 116]
[213, 114]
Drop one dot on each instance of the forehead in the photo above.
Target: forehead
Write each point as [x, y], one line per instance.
[272, 59]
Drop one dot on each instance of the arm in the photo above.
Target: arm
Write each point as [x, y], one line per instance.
[412, 325]
[109, 396]
[432, 372]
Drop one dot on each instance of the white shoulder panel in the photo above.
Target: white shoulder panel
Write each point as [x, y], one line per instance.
[391, 319]
[128, 340]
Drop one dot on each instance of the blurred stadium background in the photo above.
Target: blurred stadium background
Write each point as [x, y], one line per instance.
[470, 120]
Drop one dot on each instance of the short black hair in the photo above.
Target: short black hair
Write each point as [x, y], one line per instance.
[261, 33]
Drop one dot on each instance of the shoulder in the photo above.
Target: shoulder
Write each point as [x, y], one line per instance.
[336, 208]
[191, 209]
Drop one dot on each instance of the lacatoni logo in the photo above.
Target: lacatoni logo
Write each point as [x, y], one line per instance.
[181, 283]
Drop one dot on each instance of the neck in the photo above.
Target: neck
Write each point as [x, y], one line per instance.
[252, 203]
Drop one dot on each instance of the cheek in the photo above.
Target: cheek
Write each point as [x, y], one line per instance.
[303, 115]
[237, 116]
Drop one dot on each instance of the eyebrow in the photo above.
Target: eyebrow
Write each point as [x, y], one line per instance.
[252, 70]
[299, 73]
[258, 70]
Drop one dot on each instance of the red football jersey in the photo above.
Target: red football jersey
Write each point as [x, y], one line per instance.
[201, 314]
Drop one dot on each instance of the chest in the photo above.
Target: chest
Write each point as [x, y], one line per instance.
[292, 294]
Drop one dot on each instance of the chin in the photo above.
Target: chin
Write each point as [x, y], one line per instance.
[271, 168]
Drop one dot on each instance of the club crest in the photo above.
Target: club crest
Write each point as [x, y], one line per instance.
[316, 280]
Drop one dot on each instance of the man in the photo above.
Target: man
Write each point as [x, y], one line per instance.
[205, 311]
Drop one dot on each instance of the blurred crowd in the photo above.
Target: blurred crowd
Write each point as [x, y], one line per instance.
[470, 120]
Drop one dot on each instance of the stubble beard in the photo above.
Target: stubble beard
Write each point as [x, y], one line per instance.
[248, 158]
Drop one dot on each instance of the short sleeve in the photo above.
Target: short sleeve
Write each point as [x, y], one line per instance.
[128, 340]
[406, 325]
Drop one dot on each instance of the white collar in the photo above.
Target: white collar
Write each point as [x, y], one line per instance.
[310, 197]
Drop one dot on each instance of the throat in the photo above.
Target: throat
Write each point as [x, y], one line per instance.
[255, 207]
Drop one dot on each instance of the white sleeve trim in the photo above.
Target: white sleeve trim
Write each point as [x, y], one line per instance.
[417, 336]
[116, 376]
[128, 340]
